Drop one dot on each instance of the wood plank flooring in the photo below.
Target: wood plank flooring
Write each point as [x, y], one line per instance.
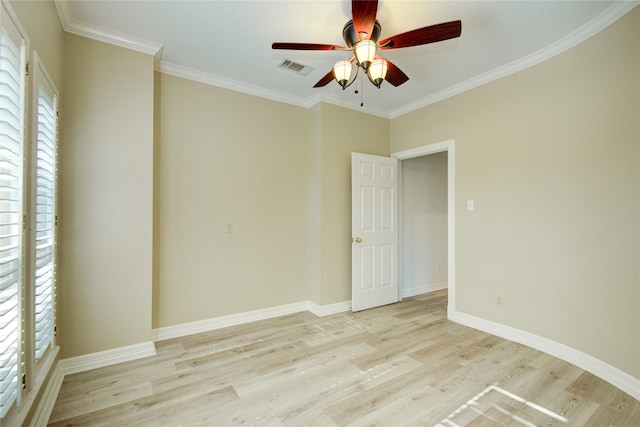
[402, 364]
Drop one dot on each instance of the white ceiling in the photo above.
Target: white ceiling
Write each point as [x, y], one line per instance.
[228, 43]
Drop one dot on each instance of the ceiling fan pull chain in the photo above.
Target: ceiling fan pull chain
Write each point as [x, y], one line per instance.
[361, 93]
[361, 35]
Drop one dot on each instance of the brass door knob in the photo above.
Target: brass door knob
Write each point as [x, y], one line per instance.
[356, 239]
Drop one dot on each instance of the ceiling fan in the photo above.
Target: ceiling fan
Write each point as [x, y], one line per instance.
[361, 37]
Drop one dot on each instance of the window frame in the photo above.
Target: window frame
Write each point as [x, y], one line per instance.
[38, 366]
[16, 33]
[31, 372]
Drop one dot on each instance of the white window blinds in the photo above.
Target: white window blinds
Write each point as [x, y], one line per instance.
[45, 203]
[12, 84]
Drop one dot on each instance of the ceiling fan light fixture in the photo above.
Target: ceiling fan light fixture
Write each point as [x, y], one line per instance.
[361, 35]
[342, 72]
[365, 51]
[377, 71]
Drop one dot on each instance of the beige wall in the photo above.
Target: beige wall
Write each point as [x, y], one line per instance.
[342, 132]
[551, 157]
[314, 205]
[225, 158]
[40, 21]
[106, 164]
[424, 220]
[228, 158]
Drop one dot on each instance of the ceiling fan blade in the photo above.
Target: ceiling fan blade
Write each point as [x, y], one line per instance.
[306, 46]
[364, 16]
[325, 80]
[424, 35]
[395, 76]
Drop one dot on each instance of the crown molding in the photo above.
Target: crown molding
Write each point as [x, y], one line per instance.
[225, 83]
[234, 85]
[65, 14]
[114, 38]
[606, 18]
[74, 26]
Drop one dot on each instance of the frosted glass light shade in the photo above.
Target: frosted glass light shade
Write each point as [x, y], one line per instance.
[377, 71]
[365, 51]
[342, 72]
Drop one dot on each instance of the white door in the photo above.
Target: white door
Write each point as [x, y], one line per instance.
[374, 247]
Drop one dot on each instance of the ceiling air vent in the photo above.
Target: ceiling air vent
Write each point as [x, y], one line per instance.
[288, 64]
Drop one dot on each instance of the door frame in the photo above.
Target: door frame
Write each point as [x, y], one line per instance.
[449, 147]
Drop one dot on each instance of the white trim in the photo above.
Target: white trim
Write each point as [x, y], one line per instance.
[599, 23]
[617, 378]
[110, 357]
[71, 25]
[328, 310]
[190, 328]
[450, 147]
[411, 291]
[606, 18]
[48, 400]
[611, 374]
[424, 150]
[237, 86]
[74, 365]
[44, 405]
[225, 83]
[114, 38]
[65, 13]
[184, 329]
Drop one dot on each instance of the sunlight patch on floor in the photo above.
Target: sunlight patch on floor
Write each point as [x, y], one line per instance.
[496, 406]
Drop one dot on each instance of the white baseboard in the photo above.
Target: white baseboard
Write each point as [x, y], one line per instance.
[327, 310]
[414, 290]
[611, 374]
[206, 325]
[101, 359]
[616, 377]
[86, 362]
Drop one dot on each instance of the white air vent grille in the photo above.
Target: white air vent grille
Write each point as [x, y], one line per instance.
[290, 65]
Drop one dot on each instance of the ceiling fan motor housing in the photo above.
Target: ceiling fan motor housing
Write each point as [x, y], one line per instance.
[364, 45]
[351, 38]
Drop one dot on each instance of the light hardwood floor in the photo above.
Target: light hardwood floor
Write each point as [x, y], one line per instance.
[402, 364]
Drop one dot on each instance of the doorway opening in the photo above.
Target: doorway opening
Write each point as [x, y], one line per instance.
[426, 278]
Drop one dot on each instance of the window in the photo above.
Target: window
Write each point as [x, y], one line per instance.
[43, 222]
[12, 108]
[27, 221]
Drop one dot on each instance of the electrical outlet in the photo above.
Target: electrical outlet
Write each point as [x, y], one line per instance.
[499, 301]
[229, 228]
